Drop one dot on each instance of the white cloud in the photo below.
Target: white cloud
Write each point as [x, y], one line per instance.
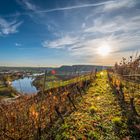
[112, 25]
[119, 4]
[61, 42]
[8, 27]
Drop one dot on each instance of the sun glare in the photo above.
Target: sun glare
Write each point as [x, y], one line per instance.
[104, 50]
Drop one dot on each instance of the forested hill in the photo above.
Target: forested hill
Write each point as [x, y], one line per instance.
[80, 68]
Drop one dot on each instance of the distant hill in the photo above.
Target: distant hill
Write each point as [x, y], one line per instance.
[80, 68]
[62, 69]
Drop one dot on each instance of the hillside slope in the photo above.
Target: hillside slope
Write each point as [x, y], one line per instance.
[98, 116]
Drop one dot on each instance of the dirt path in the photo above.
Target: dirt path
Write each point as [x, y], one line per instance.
[98, 116]
[9, 100]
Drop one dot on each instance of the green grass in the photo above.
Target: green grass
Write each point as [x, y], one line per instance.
[57, 83]
[7, 92]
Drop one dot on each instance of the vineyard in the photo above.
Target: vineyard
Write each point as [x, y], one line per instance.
[103, 105]
[129, 69]
[125, 82]
[27, 117]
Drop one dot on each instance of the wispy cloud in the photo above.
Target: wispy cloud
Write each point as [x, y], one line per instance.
[31, 6]
[31, 10]
[115, 24]
[75, 7]
[9, 27]
[119, 4]
[61, 42]
[27, 5]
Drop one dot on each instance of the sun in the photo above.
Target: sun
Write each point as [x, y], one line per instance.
[104, 50]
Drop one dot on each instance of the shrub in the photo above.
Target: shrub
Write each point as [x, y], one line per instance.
[93, 109]
[117, 121]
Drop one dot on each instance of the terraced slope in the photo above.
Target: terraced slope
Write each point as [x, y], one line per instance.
[98, 116]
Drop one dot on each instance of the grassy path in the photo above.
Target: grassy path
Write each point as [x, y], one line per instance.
[98, 116]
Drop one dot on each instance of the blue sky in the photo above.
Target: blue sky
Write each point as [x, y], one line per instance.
[66, 32]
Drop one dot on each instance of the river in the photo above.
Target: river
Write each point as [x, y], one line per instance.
[24, 85]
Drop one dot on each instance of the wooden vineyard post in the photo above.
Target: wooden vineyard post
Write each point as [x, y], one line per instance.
[133, 106]
[90, 76]
[78, 78]
[78, 88]
[95, 73]
[71, 101]
[86, 83]
[58, 113]
[44, 82]
[122, 93]
[39, 120]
